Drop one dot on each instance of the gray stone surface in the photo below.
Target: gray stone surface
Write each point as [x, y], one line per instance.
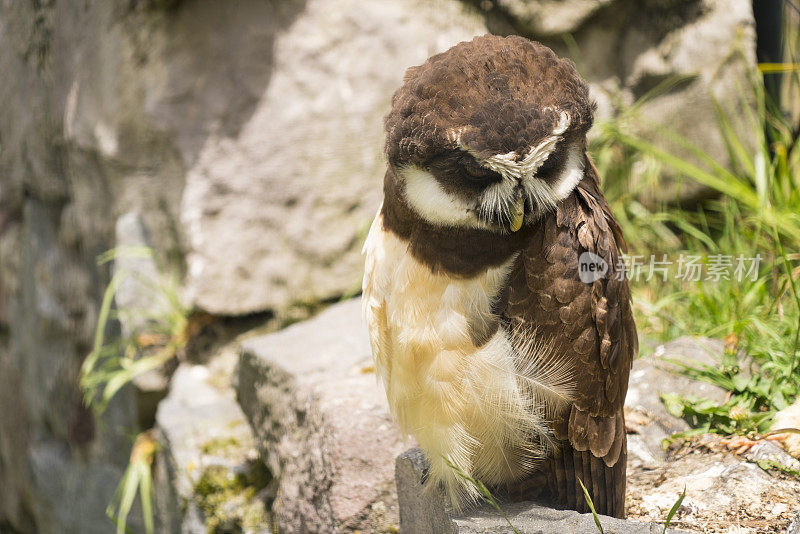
[423, 511]
[322, 422]
[205, 438]
[552, 17]
[72, 497]
[646, 415]
[66, 70]
[770, 451]
[277, 212]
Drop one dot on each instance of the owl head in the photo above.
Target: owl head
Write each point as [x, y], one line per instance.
[487, 135]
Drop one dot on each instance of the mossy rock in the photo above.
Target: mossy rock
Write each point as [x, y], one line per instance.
[230, 501]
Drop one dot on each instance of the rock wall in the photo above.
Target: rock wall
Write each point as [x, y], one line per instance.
[243, 143]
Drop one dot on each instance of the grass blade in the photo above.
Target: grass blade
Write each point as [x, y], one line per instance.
[591, 507]
[483, 490]
[674, 510]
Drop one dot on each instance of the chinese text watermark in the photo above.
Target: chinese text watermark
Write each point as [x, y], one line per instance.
[684, 267]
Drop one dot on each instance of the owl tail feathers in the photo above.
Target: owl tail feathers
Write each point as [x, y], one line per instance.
[605, 485]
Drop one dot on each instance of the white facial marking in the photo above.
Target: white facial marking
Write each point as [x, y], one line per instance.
[563, 123]
[548, 195]
[572, 174]
[427, 198]
[508, 166]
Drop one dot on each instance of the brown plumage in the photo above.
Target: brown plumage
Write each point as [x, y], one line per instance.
[592, 327]
[493, 351]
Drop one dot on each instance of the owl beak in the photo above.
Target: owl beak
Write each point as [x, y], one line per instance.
[517, 213]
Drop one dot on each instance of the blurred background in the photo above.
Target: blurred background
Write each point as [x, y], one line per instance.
[175, 174]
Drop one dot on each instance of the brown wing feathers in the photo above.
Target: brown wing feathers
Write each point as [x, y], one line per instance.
[591, 325]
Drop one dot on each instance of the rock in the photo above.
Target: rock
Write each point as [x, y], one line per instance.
[322, 423]
[789, 417]
[209, 476]
[722, 492]
[138, 295]
[650, 377]
[551, 17]
[276, 213]
[424, 511]
[420, 511]
[61, 197]
[73, 497]
[772, 454]
[712, 54]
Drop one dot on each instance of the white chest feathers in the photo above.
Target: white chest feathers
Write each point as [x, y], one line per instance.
[469, 406]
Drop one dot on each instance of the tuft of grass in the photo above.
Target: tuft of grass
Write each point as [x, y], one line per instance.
[138, 478]
[755, 213]
[115, 362]
[674, 510]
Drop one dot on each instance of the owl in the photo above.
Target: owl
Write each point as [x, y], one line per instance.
[496, 299]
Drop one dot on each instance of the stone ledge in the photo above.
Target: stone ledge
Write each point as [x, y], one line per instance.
[208, 473]
[423, 511]
[322, 423]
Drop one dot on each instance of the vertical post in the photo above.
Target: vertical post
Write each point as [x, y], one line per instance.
[768, 15]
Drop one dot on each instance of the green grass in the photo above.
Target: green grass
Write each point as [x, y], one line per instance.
[590, 503]
[486, 495]
[117, 360]
[755, 212]
[138, 478]
[596, 517]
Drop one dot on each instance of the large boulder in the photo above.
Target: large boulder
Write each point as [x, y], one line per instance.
[275, 213]
[323, 424]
